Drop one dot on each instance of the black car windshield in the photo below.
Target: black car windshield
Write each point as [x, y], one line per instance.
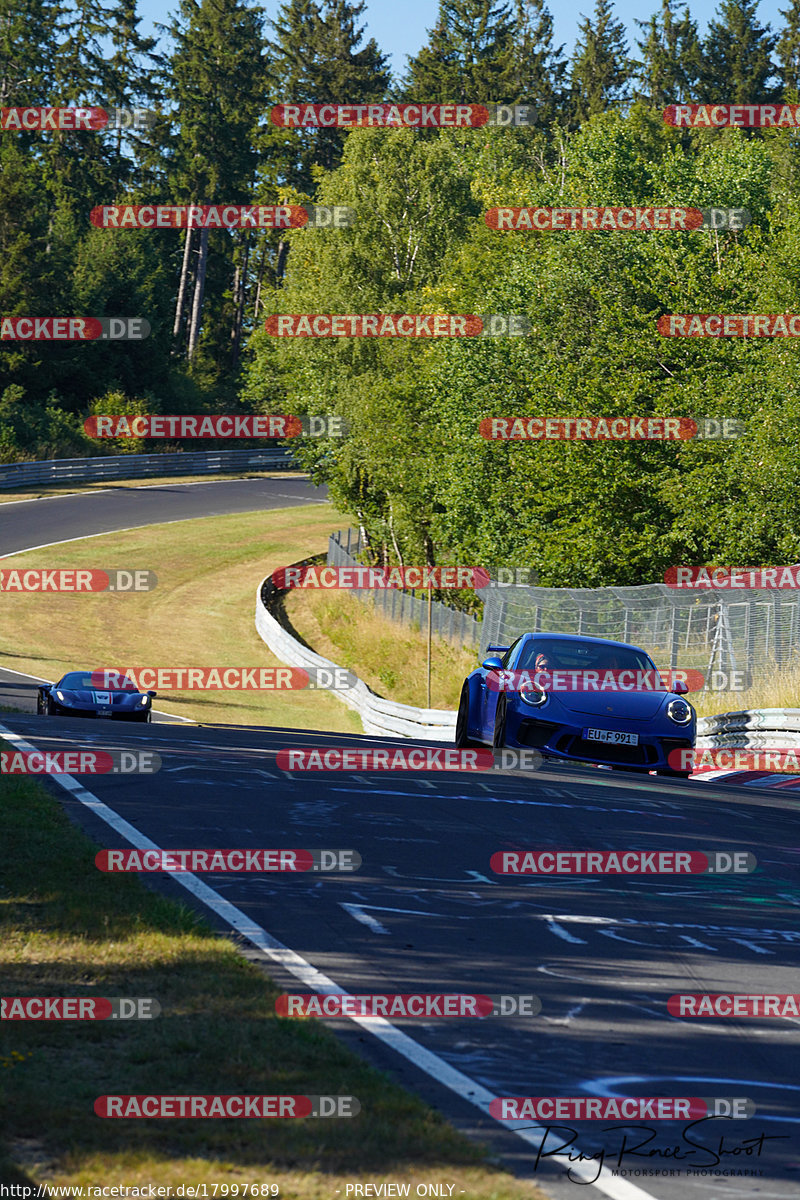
[582, 656]
[101, 681]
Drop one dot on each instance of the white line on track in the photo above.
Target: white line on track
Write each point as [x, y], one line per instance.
[145, 487]
[425, 1060]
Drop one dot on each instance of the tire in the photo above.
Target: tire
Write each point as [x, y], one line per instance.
[462, 720]
[499, 739]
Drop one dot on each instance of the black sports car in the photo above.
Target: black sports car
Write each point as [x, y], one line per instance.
[76, 695]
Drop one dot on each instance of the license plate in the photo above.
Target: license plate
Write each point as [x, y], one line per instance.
[104, 712]
[611, 735]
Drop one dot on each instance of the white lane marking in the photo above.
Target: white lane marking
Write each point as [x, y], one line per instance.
[128, 528]
[562, 933]
[431, 1064]
[356, 911]
[146, 487]
[38, 679]
[573, 1012]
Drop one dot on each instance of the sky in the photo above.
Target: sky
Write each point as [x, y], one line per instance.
[400, 26]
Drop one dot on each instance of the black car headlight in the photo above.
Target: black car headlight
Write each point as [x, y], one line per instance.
[680, 712]
[534, 696]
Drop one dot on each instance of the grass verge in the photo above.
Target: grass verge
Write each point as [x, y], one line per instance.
[201, 614]
[67, 929]
[389, 657]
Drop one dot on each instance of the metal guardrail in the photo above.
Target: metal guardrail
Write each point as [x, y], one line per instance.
[750, 729]
[384, 718]
[138, 466]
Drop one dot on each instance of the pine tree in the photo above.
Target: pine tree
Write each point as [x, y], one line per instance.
[601, 68]
[539, 67]
[737, 64]
[788, 50]
[469, 58]
[671, 57]
[218, 89]
[317, 59]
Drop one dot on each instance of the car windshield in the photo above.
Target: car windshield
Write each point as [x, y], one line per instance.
[101, 681]
[581, 656]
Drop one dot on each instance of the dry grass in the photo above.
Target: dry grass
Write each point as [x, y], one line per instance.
[200, 615]
[389, 657]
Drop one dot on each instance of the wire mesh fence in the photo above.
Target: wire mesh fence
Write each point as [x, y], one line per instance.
[751, 631]
[460, 628]
[731, 635]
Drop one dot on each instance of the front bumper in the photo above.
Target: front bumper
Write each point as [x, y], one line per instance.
[567, 742]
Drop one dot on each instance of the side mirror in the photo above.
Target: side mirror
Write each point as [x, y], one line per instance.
[680, 688]
[152, 694]
[492, 663]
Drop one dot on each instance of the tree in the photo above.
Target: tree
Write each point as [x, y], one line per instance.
[539, 68]
[601, 68]
[671, 57]
[218, 88]
[737, 64]
[318, 59]
[788, 49]
[469, 58]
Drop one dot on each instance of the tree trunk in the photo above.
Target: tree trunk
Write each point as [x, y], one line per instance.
[239, 293]
[199, 290]
[182, 287]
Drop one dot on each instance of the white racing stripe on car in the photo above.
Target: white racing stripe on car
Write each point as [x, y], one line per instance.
[456, 1081]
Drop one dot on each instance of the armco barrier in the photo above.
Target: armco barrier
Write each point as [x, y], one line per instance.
[383, 718]
[750, 729]
[137, 466]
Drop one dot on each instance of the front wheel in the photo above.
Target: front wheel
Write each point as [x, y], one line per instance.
[499, 739]
[462, 720]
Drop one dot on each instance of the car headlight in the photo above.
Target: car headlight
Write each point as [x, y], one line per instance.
[145, 700]
[680, 712]
[60, 695]
[534, 696]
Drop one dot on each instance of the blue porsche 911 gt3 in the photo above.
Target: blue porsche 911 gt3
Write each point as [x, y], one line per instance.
[77, 695]
[535, 694]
